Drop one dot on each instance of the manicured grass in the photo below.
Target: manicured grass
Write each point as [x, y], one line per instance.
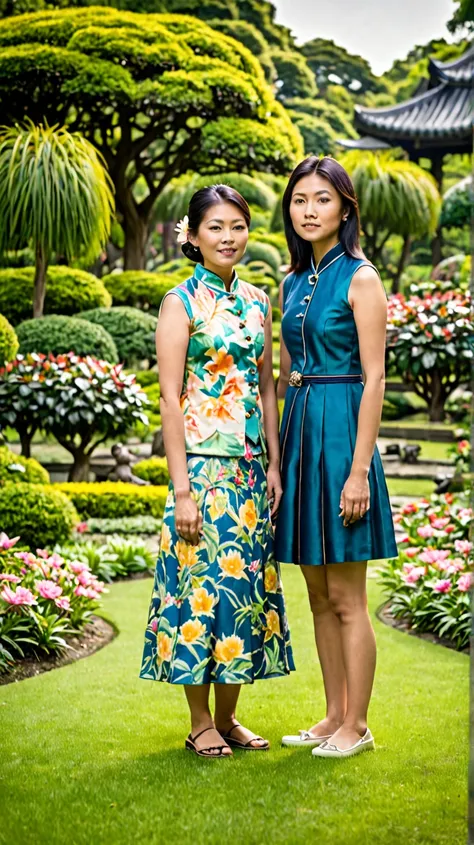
[410, 487]
[92, 754]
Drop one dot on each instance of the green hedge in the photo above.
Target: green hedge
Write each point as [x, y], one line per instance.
[139, 289]
[108, 499]
[153, 469]
[42, 516]
[61, 335]
[267, 253]
[132, 330]
[67, 292]
[8, 341]
[19, 469]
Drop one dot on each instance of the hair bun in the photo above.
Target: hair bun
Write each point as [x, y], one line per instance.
[192, 252]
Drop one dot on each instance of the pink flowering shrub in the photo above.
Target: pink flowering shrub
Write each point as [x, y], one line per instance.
[429, 584]
[42, 598]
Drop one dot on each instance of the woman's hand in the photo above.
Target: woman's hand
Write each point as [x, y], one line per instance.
[188, 518]
[274, 489]
[355, 498]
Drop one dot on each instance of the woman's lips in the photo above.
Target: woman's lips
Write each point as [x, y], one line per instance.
[227, 252]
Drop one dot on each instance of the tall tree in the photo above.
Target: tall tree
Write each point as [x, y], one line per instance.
[157, 94]
[463, 17]
[55, 196]
[327, 59]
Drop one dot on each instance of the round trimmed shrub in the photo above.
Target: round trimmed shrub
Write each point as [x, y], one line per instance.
[8, 341]
[67, 292]
[60, 335]
[258, 251]
[139, 288]
[40, 515]
[18, 469]
[152, 469]
[112, 499]
[132, 330]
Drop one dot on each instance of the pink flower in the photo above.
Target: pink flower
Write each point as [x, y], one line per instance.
[169, 599]
[458, 564]
[404, 539]
[251, 479]
[154, 625]
[414, 575]
[81, 527]
[78, 566]
[412, 507]
[425, 531]
[465, 582]
[48, 589]
[6, 576]
[248, 455]
[56, 561]
[412, 551]
[434, 555]
[440, 523]
[254, 566]
[449, 529]
[463, 546]
[5, 542]
[464, 513]
[63, 603]
[20, 596]
[27, 557]
[80, 591]
[42, 553]
[92, 594]
[85, 578]
[442, 586]
[407, 567]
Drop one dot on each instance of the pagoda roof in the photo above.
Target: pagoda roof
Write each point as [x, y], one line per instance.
[459, 72]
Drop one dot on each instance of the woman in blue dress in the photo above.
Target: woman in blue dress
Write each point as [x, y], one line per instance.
[335, 512]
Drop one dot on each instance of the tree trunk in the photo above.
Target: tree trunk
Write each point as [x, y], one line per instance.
[437, 399]
[25, 440]
[167, 240]
[404, 257]
[437, 242]
[136, 236]
[80, 468]
[41, 265]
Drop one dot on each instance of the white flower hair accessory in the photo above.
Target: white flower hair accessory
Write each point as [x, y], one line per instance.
[182, 228]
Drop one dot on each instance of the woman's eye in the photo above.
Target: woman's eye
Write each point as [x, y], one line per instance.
[298, 201]
[215, 228]
[324, 199]
[240, 227]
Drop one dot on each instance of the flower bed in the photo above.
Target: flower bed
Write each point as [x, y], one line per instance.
[429, 584]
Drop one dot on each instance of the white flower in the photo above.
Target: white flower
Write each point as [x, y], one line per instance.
[182, 228]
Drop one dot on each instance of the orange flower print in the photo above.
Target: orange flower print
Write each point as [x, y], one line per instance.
[271, 579]
[186, 553]
[165, 545]
[248, 516]
[191, 631]
[163, 647]
[232, 565]
[273, 625]
[228, 649]
[220, 364]
[201, 602]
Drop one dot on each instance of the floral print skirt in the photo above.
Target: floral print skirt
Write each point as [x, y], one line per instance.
[217, 612]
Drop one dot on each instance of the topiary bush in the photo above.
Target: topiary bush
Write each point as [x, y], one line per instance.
[59, 335]
[153, 469]
[8, 341]
[140, 289]
[18, 469]
[109, 499]
[257, 251]
[41, 515]
[67, 292]
[132, 330]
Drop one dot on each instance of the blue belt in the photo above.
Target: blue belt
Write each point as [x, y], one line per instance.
[298, 379]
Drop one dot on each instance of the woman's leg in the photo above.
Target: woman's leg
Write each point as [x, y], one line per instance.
[198, 701]
[226, 702]
[348, 600]
[327, 630]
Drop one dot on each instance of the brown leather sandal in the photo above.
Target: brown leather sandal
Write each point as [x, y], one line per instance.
[203, 752]
[245, 746]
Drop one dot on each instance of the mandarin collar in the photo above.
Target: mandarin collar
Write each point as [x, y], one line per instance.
[213, 281]
[335, 251]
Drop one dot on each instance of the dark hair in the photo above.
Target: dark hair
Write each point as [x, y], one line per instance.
[200, 202]
[349, 232]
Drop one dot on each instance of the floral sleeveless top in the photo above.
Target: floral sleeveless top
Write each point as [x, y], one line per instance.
[221, 400]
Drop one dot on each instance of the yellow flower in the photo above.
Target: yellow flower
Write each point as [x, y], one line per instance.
[273, 624]
[271, 579]
[201, 602]
[191, 631]
[232, 564]
[248, 515]
[218, 506]
[186, 553]
[228, 649]
[165, 539]
[163, 642]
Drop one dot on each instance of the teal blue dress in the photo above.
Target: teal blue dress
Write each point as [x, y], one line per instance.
[319, 425]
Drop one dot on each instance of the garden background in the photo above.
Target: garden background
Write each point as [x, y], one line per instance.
[112, 119]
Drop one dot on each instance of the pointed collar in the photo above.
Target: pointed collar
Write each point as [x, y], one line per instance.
[213, 281]
[335, 251]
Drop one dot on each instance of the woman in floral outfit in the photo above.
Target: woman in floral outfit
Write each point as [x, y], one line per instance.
[217, 613]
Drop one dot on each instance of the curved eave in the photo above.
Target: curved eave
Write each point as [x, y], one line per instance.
[366, 143]
[458, 72]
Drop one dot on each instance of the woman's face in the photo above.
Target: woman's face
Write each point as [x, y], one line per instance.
[316, 208]
[222, 236]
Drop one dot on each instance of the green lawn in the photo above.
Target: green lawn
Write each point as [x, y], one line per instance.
[92, 754]
[416, 487]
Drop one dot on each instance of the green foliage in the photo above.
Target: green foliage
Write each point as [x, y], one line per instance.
[67, 292]
[276, 239]
[41, 515]
[124, 525]
[110, 500]
[59, 335]
[8, 341]
[19, 470]
[140, 289]
[457, 207]
[152, 469]
[258, 251]
[132, 330]
[340, 97]
[325, 58]
[331, 114]
[119, 557]
[294, 77]
[463, 16]
[318, 135]
[250, 37]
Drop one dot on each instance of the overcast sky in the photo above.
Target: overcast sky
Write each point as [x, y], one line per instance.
[378, 30]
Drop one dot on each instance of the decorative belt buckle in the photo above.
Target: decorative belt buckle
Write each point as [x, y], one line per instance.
[296, 379]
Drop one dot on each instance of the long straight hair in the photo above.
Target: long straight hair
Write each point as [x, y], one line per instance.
[301, 251]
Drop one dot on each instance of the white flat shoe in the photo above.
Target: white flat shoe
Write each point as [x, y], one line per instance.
[304, 738]
[327, 749]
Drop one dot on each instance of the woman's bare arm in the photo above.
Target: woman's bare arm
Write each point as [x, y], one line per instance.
[270, 417]
[285, 359]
